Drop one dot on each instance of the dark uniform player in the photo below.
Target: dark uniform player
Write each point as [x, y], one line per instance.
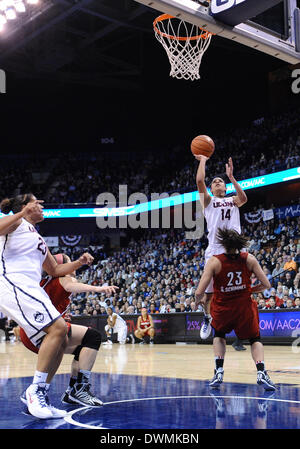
[232, 307]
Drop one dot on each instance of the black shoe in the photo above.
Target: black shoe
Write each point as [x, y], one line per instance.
[239, 347]
[81, 394]
[65, 399]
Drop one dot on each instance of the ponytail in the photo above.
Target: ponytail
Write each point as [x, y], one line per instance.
[6, 206]
[232, 240]
[15, 204]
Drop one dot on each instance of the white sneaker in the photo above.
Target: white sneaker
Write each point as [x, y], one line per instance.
[36, 402]
[108, 342]
[264, 380]
[205, 328]
[56, 413]
[217, 379]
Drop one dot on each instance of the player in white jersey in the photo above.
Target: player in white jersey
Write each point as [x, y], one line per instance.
[220, 212]
[23, 256]
[115, 325]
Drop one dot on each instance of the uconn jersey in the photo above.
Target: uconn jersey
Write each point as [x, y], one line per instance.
[119, 328]
[22, 254]
[220, 213]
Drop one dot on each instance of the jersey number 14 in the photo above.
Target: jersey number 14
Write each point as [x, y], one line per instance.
[225, 215]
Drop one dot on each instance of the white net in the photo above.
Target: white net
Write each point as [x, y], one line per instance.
[184, 43]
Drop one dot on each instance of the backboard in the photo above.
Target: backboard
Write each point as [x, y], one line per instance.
[275, 31]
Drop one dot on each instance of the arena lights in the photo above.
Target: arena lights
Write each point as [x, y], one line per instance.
[9, 10]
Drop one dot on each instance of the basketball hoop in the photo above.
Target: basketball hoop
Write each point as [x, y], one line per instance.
[184, 43]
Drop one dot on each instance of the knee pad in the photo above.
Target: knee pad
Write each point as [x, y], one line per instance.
[76, 352]
[92, 339]
[253, 340]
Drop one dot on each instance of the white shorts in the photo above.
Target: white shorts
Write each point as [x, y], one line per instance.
[122, 333]
[209, 252]
[28, 305]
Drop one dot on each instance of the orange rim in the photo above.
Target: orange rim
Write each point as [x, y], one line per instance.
[205, 35]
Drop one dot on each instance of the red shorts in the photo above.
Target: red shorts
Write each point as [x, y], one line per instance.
[146, 333]
[29, 345]
[241, 317]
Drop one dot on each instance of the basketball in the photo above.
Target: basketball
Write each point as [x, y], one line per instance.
[203, 145]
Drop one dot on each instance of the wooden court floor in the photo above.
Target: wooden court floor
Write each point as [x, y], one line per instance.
[189, 361]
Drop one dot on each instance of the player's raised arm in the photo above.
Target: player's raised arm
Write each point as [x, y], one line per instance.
[59, 270]
[253, 265]
[71, 285]
[241, 197]
[11, 222]
[200, 181]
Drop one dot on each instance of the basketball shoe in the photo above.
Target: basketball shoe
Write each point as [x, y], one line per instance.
[56, 413]
[217, 379]
[205, 328]
[264, 380]
[65, 399]
[36, 402]
[81, 394]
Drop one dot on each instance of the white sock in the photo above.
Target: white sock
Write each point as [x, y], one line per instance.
[40, 378]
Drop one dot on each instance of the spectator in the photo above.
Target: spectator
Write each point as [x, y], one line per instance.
[272, 303]
[188, 305]
[152, 309]
[276, 272]
[130, 310]
[297, 302]
[285, 302]
[262, 304]
[289, 304]
[291, 265]
[103, 310]
[288, 281]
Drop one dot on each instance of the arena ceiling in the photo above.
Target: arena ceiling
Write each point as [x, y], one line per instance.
[106, 43]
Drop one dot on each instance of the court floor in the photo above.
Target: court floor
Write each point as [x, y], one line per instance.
[161, 387]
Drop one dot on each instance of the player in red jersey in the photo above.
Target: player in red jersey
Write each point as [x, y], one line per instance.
[232, 307]
[145, 326]
[82, 341]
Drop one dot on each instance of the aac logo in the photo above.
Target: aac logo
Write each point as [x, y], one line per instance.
[218, 6]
